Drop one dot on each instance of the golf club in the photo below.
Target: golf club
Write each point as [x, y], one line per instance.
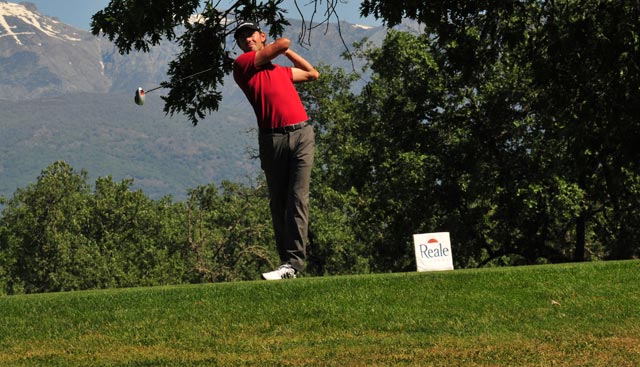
[140, 93]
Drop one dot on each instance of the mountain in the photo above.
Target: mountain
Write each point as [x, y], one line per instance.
[68, 95]
[40, 56]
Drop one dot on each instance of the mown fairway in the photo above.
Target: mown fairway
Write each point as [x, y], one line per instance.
[562, 315]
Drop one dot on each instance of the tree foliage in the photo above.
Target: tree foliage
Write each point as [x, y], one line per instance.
[229, 233]
[58, 235]
[506, 123]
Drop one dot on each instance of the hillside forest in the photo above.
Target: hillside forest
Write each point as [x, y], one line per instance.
[512, 125]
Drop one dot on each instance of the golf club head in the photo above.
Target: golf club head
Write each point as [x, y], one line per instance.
[139, 98]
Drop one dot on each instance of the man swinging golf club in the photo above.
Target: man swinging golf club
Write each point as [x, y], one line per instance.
[286, 140]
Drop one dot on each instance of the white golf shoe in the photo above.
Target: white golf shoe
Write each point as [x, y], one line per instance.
[285, 271]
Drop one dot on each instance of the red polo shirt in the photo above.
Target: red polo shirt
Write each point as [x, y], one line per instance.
[270, 91]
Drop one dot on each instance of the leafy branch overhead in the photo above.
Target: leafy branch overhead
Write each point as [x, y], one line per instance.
[201, 29]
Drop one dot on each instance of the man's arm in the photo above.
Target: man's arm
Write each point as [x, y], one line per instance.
[271, 51]
[302, 69]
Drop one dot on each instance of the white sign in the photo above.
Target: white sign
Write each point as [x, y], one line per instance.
[433, 251]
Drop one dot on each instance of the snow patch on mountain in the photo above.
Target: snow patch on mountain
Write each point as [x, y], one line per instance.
[10, 12]
[362, 26]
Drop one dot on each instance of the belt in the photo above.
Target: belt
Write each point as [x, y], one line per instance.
[285, 129]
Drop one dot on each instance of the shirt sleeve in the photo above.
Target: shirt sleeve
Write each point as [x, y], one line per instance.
[243, 67]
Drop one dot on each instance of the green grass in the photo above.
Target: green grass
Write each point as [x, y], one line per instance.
[558, 315]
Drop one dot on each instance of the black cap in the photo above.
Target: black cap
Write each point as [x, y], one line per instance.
[246, 26]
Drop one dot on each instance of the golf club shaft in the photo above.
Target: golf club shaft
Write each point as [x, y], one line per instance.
[181, 79]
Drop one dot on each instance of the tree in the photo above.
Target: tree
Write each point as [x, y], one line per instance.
[138, 238]
[585, 58]
[56, 235]
[229, 233]
[43, 233]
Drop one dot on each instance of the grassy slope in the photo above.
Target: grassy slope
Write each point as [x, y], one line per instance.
[562, 315]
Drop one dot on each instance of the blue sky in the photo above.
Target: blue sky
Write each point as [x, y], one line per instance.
[78, 12]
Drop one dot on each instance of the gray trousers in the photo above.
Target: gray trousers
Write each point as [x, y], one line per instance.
[286, 159]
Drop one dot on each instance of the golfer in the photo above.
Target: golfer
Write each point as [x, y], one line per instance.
[286, 140]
